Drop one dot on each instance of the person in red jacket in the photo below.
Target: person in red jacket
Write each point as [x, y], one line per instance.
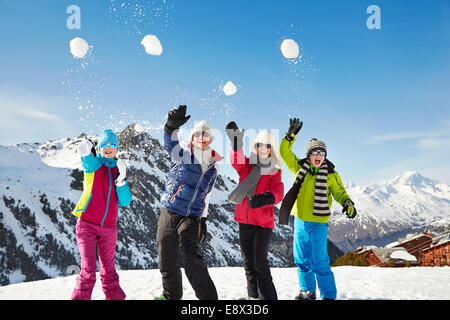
[259, 189]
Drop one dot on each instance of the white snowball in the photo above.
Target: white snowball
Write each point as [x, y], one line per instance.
[230, 88]
[152, 45]
[290, 49]
[79, 47]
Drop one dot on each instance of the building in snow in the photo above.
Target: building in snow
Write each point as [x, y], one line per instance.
[414, 243]
[424, 249]
[388, 257]
[438, 254]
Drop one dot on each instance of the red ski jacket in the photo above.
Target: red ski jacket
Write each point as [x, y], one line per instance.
[263, 216]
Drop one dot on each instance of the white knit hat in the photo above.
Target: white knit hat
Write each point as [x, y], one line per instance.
[202, 126]
[266, 137]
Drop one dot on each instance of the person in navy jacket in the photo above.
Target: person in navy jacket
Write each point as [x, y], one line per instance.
[184, 206]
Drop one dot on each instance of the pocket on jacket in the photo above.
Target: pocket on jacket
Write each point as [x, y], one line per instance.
[87, 203]
[176, 192]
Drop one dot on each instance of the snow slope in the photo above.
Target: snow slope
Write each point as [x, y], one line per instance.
[353, 283]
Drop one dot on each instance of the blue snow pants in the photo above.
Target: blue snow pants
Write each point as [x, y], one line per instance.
[311, 258]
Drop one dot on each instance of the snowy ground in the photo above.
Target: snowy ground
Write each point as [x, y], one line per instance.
[352, 282]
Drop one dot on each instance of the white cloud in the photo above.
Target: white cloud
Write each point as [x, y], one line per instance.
[30, 117]
[411, 135]
[434, 143]
[36, 114]
[426, 137]
[428, 153]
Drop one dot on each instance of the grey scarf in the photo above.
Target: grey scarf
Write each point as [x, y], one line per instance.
[247, 187]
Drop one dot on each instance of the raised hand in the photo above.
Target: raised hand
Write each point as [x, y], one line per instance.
[235, 135]
[294, 128]
[85, 146]
[176, 118]
[120, 181]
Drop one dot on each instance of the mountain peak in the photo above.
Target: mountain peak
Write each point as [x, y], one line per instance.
[410, 178]
[134, 136]
[133, 128]
[411, 173]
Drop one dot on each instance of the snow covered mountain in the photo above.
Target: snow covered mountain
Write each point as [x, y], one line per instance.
[391, 209]
[41, 183]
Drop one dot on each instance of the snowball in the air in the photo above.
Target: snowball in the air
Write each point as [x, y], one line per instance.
[290, 49]
[152, 45]
[79, 47]
[230, 88]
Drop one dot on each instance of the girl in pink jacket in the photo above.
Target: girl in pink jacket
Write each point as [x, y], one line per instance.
[259, 189]
[104, 189]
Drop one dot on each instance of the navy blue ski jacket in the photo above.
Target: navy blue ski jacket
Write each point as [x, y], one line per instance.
[188, 188]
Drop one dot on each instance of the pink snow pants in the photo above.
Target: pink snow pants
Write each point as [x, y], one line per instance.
[89, 235]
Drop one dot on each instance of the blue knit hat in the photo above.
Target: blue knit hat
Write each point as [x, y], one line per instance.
[107, 136]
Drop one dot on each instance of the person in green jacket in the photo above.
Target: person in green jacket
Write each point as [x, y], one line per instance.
[310, 200]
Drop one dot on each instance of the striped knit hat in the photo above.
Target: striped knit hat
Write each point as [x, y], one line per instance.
[315, 144]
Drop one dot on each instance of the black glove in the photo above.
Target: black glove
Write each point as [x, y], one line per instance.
[235, 135]
[294, 127]
[349, 209]
[202, 230]
[261, 200]
[175, 119]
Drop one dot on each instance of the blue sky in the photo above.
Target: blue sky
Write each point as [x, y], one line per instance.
[378, 98]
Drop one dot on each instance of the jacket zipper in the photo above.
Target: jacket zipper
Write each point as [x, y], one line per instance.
[248, 222]
[196, 190]
[247, 215]
[109, 194]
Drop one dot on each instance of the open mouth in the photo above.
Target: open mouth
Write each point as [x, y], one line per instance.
[317, 162]
[108, 153]
[202, 144]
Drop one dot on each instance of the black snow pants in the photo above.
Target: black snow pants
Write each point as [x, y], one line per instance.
[254, 242]
[175, 230]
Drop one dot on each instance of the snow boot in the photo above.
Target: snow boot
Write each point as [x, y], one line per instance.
[163, 297]
[81, 294]
[114, 293]
[306, 295]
